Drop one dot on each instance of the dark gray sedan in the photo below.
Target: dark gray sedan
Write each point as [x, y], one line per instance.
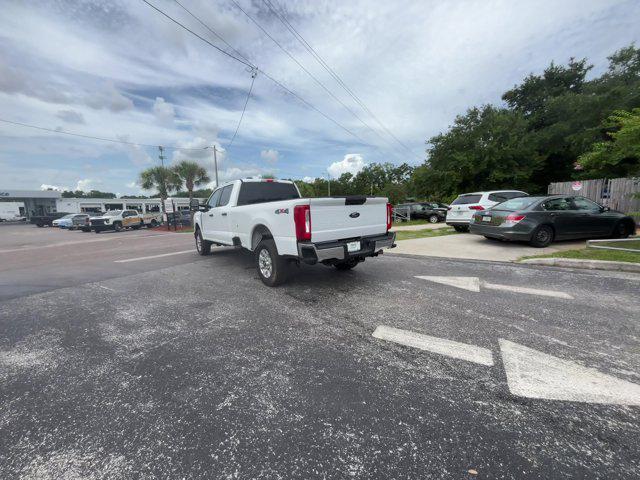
[541, 220]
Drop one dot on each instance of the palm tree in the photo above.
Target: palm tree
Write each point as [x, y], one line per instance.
[191, 174]
[161, 178]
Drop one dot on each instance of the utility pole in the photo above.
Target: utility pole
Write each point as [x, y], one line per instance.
[329, 184]
[163, 187]
[215, 163]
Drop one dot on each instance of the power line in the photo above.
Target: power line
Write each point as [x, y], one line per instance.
[327, 67]
[253, 79]
[267, 75]
[103, 139]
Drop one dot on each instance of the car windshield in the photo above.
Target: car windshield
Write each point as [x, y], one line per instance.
[519, 203]
[112, 213]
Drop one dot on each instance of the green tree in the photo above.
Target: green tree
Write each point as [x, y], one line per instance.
[620, 154]
[163, 179]
[191, 175]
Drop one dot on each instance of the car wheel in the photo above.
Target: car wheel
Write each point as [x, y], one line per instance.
[542, 237]
[621, 230]
[461, 228]
[433, 219]
[348, 265]
[272, 268]
[39, 225]
[117, 226]
[202, 246]
[154, 223]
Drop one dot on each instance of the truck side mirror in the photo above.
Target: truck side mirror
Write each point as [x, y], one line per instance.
[203, 208]
[194, 204]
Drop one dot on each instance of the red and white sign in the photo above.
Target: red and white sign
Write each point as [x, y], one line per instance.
[576, 186]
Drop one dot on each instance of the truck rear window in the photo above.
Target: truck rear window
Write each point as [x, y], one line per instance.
[466, 199]
[262, 192]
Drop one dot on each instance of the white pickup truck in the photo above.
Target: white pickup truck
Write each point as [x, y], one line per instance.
[269, 218]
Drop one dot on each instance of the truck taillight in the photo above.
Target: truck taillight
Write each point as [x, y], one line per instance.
[302, 220]
[389, 215]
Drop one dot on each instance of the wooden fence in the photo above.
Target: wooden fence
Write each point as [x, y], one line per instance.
[615, 193]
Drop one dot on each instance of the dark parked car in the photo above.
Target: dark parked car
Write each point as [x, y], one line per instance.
[42, 220]
[433, 211]
[541, 220]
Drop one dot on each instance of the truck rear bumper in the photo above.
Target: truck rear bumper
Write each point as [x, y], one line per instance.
[337, 250]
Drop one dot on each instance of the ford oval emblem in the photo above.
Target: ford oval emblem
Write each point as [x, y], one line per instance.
[354, 215]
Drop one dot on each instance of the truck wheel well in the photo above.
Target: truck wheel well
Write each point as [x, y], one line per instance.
[260, 232]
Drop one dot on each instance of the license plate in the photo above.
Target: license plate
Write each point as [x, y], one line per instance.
[353, 246]
[486, 219]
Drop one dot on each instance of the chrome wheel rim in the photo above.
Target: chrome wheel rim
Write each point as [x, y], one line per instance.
[198, 243]
[264, 263]
[433, 219]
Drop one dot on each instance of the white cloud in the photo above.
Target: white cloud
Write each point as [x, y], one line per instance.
[132, 185]
[164, 112]
[308, 179]
[86, 185]
[351, 163]
[270, 156]
[57, 188]
[71, 116]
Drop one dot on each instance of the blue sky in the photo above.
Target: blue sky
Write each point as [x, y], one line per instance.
[120, 70]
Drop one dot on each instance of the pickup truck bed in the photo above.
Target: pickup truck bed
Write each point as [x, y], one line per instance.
[269, 218]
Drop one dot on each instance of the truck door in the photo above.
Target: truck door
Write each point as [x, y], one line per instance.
[210, 218]
[223, 211]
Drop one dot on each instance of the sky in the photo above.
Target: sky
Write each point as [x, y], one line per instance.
[121, 70]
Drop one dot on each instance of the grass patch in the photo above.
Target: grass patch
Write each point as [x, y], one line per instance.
[426, 233]
[627, 244]
[593, 254]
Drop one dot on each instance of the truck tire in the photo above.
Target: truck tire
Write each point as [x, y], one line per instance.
[139, 226]
[202, 246]
[272, 268]
[347, 265]
[117, 226]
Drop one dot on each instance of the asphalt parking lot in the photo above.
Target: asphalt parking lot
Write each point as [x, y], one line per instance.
[132, 357]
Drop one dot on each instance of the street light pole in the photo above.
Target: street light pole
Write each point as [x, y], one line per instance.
[215, 163]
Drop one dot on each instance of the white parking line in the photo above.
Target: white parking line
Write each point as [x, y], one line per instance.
[137, 259]
[442, 346]
[528, 291]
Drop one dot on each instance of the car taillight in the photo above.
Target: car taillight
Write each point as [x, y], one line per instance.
[476, 207]
[449, 208]
[389, 215]
[302, 220]
[512, 219]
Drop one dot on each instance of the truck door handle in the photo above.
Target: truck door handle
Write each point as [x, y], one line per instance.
[211, 214]
[224, 214]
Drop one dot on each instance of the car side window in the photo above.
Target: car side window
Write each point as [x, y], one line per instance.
[213, 200]
[557, 204]
[497, 197]
[584, 205]
[225, 196]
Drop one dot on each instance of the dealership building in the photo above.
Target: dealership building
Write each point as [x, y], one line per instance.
[42, 202]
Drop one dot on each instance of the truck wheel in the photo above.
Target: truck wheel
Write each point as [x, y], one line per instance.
[153, 224]
[139, 226]
[39, 225]
[272, 268]
[117, 226]
[348, 265]
[202, 246]
[433, 219]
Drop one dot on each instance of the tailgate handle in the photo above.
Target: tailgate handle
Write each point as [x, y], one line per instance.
[355, 200]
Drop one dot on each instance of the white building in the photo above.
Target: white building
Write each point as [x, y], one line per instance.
[11, 210]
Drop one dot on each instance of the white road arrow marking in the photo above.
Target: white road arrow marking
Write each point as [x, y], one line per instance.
[442, 346]
[466, 283]
[473, 284]
[535, 374]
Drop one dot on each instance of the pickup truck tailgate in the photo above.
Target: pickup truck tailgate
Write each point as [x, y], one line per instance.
[337, 219]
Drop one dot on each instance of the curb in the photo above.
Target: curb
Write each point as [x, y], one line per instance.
[587, 264]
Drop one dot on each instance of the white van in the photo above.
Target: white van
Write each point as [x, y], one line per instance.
[462, 208]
